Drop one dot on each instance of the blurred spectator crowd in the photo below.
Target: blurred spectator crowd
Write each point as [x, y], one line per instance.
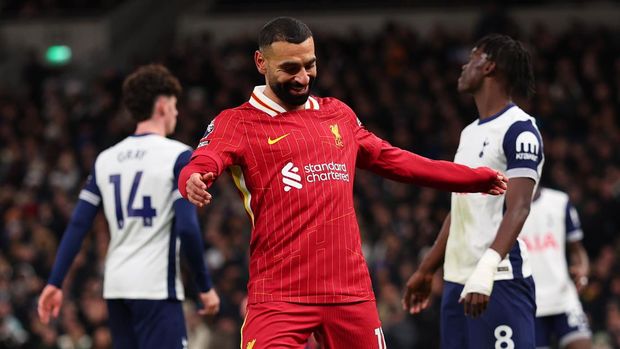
[54, 8]
[403, 88]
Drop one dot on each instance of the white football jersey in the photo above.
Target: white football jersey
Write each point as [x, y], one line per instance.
[509, 142]
[135, 181]
[552, 222]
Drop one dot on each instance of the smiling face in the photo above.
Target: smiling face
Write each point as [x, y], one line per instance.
[290, 71]
[474, 71]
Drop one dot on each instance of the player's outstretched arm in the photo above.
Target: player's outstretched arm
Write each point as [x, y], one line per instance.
[418, 289]
[400, 165]
[439, 174]
[478, 288]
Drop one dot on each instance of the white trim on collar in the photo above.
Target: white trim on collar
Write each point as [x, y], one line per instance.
[263, 103]
[312, 103]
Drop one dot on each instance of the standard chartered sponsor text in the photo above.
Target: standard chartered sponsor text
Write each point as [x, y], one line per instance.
[329, 171]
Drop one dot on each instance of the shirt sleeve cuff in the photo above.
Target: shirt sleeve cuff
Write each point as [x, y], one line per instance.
[523, 172]
[575, 235]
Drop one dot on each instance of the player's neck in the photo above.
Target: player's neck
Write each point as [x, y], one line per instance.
[490, 100]
[271, 95]
[150, 126]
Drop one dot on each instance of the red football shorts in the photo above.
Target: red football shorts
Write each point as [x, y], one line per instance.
[276, 325]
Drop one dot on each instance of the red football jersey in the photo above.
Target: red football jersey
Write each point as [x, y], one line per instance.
[295, 172]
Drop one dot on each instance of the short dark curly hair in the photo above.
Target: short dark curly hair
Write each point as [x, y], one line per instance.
[286, 29]
[143, 86]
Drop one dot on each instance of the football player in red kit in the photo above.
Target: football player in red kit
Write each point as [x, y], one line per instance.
[293, 157]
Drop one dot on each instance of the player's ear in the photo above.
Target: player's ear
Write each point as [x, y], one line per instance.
[489, 68]
[261, 63]
[159, 108]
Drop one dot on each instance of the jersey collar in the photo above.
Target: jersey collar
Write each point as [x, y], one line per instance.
[496, 115]
[261, 102]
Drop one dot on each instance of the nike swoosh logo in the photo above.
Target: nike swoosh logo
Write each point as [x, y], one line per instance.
[276, 140]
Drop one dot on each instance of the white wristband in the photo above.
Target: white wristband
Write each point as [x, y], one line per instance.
[481, 280]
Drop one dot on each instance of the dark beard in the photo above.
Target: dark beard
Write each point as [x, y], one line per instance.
[282, 91]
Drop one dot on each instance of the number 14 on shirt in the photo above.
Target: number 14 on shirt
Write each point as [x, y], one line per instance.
[147, 212]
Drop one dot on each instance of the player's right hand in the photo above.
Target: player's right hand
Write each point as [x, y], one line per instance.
[196, 187]
[210, 303]
[49, 303]
[418, 292]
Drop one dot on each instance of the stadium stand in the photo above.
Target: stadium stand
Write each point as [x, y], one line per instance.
[403, 88]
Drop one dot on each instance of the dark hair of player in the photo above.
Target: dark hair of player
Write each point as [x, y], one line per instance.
[513, 63]
[283, 29]
[142, 87]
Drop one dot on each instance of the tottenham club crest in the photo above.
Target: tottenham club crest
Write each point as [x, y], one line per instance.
[484, 144]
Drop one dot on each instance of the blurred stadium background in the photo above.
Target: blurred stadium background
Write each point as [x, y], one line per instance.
[395, 62]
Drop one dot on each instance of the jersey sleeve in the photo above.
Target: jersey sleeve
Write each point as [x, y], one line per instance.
[369, 145]
[523, 148]
[220, 147]
[573, 225]
[91, 193]
[187, 228]
[384, 159]
[222, 141]
[181, 161]
[81, 220]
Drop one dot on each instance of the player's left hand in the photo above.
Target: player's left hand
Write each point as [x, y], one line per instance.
[580, 277]
[210, 303]
[499, 185]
